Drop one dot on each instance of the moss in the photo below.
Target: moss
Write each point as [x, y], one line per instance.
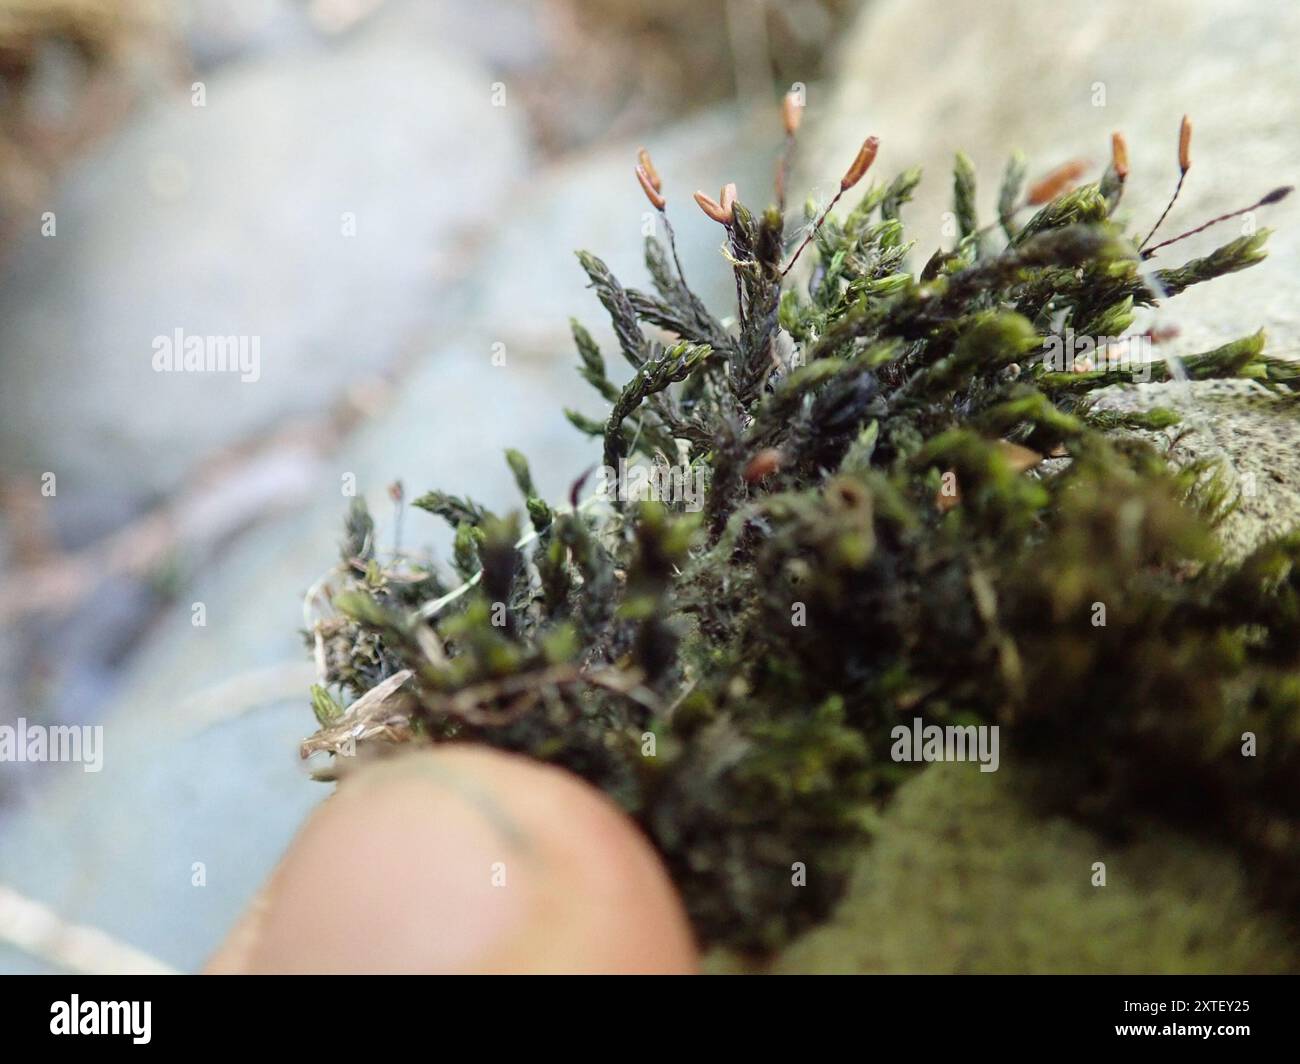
[880, 541]
[966, 877]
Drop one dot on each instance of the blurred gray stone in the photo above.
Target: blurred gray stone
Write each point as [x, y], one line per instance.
[117, 849]
[11, 664]
[219, 31]
[228, 220]
[201, 740]
[214, 32]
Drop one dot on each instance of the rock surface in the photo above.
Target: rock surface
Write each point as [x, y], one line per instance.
[158, 232]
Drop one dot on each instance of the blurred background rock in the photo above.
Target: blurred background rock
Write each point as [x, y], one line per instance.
[197, 161]
[175, 489]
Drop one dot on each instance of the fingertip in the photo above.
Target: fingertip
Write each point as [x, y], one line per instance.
[465, 859]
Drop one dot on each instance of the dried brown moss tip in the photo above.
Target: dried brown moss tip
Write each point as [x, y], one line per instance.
[763, 464]
[727, 199]
[1184, 164]
[723, 215]
[1119, 155]
[1056, 182]
[721, 210]
[856, 171]
[650, 187]
[647, 164]
[861, 163]
[1185, 145]
[791, 114]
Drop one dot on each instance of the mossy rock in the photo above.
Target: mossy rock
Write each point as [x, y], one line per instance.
[964, 877]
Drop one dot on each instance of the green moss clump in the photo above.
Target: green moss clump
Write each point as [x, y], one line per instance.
[966, 878]
[911, 511]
